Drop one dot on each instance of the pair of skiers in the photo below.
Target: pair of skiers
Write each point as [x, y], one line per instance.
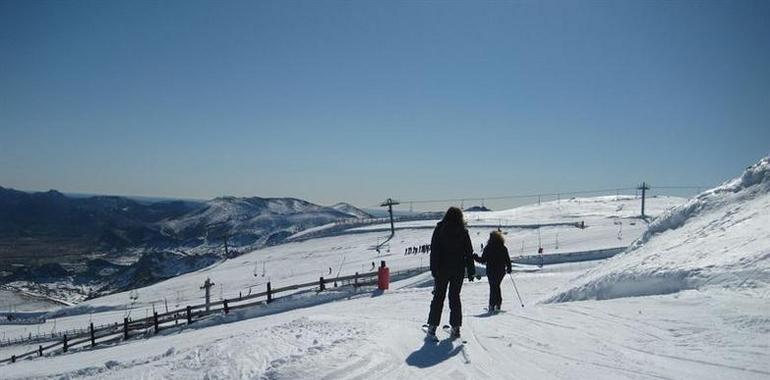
[451, 259]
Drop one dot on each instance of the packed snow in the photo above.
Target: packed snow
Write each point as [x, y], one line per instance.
[705, 332]
[366, 335]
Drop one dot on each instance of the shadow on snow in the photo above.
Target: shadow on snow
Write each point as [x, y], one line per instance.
[432, 353]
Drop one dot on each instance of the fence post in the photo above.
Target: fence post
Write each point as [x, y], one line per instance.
[355, 280]
[227, 308]
[13, 358]
[40, 350]
[155, 321]
[65, 343]
[125, 328]
[269, 293]
[93, 336]
[189, 315]
[321, 286]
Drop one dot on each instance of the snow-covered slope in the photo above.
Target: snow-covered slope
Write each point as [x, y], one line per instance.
[721, 238]
[351, 210]
[377, 336]
[588, 209]
[305, 261]
[717, 334]
[579, 208]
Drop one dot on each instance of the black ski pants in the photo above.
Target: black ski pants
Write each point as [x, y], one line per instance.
[495, 295]
[441, 284]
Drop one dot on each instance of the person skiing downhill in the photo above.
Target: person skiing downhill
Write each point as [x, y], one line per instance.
[498, 263]
[450, 258]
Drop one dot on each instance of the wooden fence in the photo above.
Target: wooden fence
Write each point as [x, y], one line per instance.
[91, 336]
[9, 319]
[44, 337]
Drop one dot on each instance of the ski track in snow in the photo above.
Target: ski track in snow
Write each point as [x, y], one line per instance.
[379, 337]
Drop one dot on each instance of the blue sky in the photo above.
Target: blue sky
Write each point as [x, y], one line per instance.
[358, 101]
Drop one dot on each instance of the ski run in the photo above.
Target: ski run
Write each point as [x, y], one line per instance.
[689, 299]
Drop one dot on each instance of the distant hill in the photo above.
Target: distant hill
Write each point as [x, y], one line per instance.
[49, 237]
[477, 209]
[351, 210]
[30, 223]
[250, 221]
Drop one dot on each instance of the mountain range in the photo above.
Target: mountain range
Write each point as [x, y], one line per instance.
[98, 244]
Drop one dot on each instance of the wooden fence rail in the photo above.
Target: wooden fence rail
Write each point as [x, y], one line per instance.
[191, 313]
[46, 337]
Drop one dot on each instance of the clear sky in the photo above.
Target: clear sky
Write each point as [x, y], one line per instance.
[358, 101]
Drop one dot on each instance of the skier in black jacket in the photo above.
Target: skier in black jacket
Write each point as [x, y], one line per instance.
[450, 258]
[498, 263]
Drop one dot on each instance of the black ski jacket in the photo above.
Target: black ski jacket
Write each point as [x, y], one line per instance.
[451, 252]
[496, 258]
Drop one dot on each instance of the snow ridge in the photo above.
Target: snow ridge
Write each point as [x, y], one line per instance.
[719, 238]
[755, 180]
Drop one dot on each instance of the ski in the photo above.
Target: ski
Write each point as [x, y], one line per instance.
[434, 338]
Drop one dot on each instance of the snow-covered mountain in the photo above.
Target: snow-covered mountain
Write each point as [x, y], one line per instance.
[249, 223]
[351, 210]
[719, 238]
[72, 247]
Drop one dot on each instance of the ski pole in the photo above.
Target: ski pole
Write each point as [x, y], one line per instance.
[517, 289]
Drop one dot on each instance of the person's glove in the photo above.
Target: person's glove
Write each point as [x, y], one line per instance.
[476, 256]
[470, 278]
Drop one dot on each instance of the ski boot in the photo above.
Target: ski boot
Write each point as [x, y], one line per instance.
[454, 332]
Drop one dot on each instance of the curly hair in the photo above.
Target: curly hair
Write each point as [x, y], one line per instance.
[495, 237]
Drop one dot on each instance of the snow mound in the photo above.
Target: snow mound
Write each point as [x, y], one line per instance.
[720, 238]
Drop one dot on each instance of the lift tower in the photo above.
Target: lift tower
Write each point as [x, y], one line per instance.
[207, 286]
[390, 203]
[643, 187]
